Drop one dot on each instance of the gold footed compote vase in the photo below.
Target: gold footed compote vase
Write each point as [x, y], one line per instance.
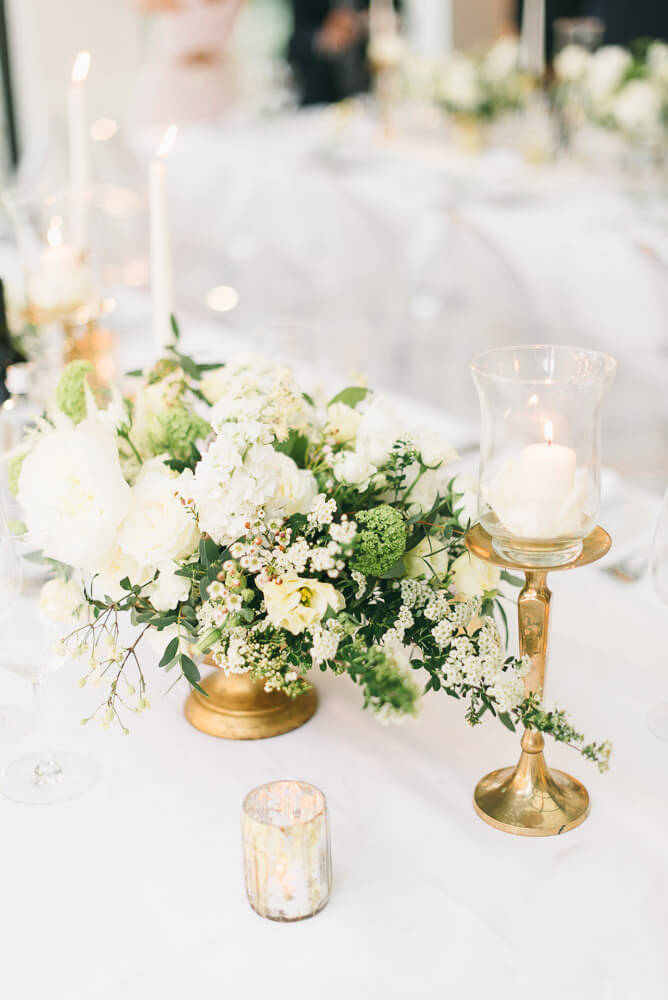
[236, 707]
[531, 799]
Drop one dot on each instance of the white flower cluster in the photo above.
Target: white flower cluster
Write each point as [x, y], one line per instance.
[467, 84]
[256, 391]
[326, 640]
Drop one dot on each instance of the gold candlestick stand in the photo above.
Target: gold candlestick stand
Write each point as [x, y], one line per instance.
[532, 800]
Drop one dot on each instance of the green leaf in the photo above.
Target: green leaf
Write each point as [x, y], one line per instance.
[125, 583]
[190, 672]
[309, 399]
[175, 326]
[507, 577]
[351, 396]
[507, 721]
[137, 373]
[295, 447]
[170, 652]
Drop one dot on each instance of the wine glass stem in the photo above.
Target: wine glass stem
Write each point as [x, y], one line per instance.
[47, 769]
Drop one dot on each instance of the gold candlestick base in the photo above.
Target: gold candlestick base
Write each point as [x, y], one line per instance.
[238, 708]
[531, 800]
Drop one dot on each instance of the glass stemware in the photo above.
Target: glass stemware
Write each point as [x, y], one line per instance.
[657, 719]
[15, 722]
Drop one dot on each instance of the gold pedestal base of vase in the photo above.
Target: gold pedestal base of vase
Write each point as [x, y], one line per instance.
[531, 800]
[238, 708]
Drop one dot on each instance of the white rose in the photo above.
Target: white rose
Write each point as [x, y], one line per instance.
[657, 61]
[294, 489]
[169, 589]
[501, 59]
[342, 423]
[472, 577]
[459, 86]
[214, 384]
[430, 485]
[467, 504]
[119, 565]
[61, 600]
[638, 106]
[606, 69]
[378, 430]
[157, 527]
[572, 63]
[434, 450]
[74, 495]
[297, 602]
[354, 468]
[428, 558]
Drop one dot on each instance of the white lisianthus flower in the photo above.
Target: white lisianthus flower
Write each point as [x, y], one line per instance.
[458, 85]
[342, 423]
[657, 61]
[606, 69]
[107, 581]
[467, 504]
[157, 527]
[427, 559]
[294, 489]
[297, 602]
[471, 577]
[501, 60]
[61, 600]
[571, 63]
[354, 468]
[73, 493]
[169, 589]
[637, 107]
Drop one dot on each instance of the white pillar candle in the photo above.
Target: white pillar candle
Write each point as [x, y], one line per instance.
[161, 262]
[532, 37]
[79, 152]
[430, 28]
[59, 283]
[536, 494]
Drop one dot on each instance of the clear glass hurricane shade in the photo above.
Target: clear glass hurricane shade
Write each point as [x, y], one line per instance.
[539, 484]
[58, 277]
[657, 719]
[286, 845]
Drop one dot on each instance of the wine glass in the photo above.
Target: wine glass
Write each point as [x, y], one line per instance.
[15, 722]
[44, 776]
[657, 719]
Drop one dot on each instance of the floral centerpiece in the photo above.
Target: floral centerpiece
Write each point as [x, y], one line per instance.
[222, 511]
[625, 91]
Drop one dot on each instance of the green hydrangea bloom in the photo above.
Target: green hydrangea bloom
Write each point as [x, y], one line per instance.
[182, 428]
[382, 540]
[70, 391]
[14, 466]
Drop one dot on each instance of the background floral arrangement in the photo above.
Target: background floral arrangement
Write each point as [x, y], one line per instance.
[223, 512]
[486, 86]
[616, 88]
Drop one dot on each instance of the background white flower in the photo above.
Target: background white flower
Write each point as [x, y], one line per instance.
[572, 63]
[61, 600]
[637, 107]
[606, 69]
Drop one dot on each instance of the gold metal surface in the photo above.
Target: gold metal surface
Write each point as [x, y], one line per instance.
[238, 708]
[531, 800]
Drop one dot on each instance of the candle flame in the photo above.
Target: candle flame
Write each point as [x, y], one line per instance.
[81, 67]
[54, 233]
[548, 431]
[167, 142]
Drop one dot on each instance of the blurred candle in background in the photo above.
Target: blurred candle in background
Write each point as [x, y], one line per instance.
[429, 24]
[79, 152]
[161, 260]
[532, 37]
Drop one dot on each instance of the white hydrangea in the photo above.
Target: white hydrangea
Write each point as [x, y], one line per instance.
[256, 390]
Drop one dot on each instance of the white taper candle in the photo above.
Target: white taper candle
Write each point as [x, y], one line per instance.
[161, 258]
[79, 153]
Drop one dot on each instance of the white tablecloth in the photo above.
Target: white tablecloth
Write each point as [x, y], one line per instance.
[135, 890]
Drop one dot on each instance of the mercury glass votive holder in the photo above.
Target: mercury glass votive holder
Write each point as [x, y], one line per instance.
[286, 848]
[539, 483]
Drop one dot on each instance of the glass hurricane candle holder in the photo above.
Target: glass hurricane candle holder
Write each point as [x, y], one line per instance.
[58, 278]
[539, 486]
[286, 846]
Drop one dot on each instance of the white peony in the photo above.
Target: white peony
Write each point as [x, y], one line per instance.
[637, 107]
[293, 490]
[169, 589]
[472, 577]
[428, 558]
[157, 527]
[501, 60]
[354, 468]
[657, 61]
[342, 423]
[572, 63]
[73, 493]
[61, 600]
[107, 581]
[606, 70]
[458, 85]
[298, 603]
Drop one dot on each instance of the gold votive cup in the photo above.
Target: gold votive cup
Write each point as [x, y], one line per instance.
[286, 850]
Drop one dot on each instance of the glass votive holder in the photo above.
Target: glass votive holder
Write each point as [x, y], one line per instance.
[539, 483]
[58, 277]
[286, 847]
